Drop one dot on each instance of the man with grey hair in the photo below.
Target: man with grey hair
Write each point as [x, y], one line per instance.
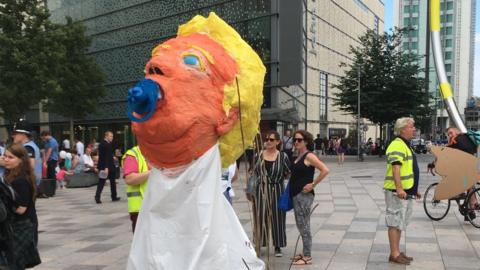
[401, 185]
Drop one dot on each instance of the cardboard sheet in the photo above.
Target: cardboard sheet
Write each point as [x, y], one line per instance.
[458, 170]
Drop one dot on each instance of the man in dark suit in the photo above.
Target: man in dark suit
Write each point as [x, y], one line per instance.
[106, 168]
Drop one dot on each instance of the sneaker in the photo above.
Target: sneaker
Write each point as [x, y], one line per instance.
[278, 252]
[116, 199]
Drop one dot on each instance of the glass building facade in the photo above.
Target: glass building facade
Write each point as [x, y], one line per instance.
[302, 44]
[125, 32]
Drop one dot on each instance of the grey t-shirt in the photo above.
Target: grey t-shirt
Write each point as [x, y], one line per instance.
[287, 143]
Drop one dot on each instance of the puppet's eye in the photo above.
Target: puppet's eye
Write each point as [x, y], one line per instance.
[193, 61]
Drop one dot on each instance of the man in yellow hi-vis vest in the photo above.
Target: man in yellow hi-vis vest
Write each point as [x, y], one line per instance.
[401, 185]
[136, 172]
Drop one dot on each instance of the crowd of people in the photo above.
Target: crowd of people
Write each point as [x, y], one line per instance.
[340, 146]
[23, 166]
[294, 158]
[291, 157]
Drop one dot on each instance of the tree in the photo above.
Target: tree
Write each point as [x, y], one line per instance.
[29, 56]
[81, 80]
[389, 82]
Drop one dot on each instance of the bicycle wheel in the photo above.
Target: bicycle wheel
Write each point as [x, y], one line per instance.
[435, 209]
[473, 208]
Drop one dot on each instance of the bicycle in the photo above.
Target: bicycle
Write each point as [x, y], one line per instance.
[438, 209]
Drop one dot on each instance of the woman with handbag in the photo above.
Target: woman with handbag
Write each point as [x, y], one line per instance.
[302, 183]
[20, 176]
[274, 164]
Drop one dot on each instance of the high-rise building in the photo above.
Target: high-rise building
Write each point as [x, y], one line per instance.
[458, 42]
[290, 36]
[332, 27]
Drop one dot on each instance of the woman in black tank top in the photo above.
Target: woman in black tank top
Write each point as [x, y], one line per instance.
[302, 183]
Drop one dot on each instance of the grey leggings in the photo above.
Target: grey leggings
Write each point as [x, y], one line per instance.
[302, 205]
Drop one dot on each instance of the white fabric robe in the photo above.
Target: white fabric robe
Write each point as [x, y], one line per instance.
[187, 224]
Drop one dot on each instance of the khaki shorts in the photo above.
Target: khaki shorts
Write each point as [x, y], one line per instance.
[398, 211]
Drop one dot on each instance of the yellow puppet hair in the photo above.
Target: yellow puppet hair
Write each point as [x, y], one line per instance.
[250, 82]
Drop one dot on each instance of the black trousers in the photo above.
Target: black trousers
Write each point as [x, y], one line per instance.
[113, 185]
[51, 164]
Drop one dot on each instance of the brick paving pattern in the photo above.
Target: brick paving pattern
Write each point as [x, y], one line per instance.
[348, 227]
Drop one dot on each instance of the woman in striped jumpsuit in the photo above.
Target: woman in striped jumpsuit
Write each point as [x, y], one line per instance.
[275, 165]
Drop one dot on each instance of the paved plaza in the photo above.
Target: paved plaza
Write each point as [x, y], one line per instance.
[348, 227]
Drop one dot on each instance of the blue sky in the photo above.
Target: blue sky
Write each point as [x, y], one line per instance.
[476, 85]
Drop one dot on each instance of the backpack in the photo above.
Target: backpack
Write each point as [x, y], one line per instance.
[474, 136]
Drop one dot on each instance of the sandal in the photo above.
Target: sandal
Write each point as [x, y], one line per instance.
[297, 257]
[406, 257]
[303, 261]
[399, 260]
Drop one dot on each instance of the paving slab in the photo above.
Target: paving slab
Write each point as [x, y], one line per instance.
[348, 227]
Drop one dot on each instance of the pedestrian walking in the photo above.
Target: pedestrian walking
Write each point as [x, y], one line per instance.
[106, 168]
[341, 148]
[302, 184]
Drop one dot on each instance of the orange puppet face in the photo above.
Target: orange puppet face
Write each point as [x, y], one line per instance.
[189, 73]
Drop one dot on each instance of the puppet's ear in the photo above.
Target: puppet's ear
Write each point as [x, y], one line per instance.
[226, 124]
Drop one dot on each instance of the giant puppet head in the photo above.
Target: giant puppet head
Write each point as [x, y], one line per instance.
[196, 87]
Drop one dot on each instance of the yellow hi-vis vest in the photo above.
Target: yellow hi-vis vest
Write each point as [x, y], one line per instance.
[135, 193]
[398, 151]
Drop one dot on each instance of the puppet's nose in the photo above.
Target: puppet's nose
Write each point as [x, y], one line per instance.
[142, 99]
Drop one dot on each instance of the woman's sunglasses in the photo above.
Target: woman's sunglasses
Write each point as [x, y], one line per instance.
[298, 139]
[270, 139]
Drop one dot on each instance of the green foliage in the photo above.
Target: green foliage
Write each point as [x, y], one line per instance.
[80, 80]
[29, 56]
[390, 86]
[42, 61]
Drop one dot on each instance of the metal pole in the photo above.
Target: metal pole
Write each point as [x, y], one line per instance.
[306, 63]
[358, 116]
[427, 69]
[445, 87]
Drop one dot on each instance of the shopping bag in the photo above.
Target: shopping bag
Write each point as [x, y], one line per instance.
[285, 202]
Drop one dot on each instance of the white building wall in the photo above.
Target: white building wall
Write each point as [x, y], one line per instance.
[332, 27]
[464, 58]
